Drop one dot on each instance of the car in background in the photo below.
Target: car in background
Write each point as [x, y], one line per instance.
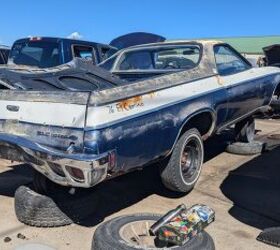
[4, 54]
[46, 52]
[272, 55]
[272, 58]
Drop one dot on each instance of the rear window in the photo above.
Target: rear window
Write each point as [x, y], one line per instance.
[164, 58]
[42, 54]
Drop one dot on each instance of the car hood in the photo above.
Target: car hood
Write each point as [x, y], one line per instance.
[272, 54]
[136, 38]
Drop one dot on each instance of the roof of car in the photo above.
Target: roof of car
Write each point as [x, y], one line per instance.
[4, 47]
[173, 42]
[62, 38]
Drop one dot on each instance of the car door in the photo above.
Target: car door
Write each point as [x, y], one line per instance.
[240, 81]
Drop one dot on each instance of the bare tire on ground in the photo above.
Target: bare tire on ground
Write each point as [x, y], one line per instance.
[184, 166]
[56, 210]
[245, 130]
[38, 210]
[241, 148]
[132, 232]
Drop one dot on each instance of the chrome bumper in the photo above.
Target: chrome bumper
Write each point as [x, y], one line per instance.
[67, 169]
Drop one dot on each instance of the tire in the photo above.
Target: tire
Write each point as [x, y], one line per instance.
[108, 236]
[38, 210]
[182, 178]
[241, 148]
[275, 103]
[245, 130]
[62, 209]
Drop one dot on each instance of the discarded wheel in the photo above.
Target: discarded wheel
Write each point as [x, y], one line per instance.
[245, 130]
[132, 232]
[242, 148]
[184, 166]
[38, 210]
[58, 210]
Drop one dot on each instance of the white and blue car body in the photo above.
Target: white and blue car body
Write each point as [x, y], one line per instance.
[81, 137]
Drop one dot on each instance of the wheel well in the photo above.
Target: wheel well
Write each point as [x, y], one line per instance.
[277, 90]
[203, 122]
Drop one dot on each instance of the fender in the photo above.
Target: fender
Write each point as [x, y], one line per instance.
[208, 134]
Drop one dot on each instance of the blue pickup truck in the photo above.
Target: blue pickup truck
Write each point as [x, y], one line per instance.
[171, 97]
[45, 52]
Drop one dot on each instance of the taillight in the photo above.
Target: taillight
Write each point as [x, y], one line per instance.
[76, 173]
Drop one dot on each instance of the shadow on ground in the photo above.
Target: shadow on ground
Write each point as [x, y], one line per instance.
[16, 176]
[110, 196]
[254, 189]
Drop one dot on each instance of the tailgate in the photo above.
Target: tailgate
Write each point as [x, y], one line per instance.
[52, 118]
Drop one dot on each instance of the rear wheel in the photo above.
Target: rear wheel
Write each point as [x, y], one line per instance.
[245, 130]
[184, 166]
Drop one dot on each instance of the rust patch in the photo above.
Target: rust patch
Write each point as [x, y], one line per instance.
[130, 103]
[152, 94]
[220, 80]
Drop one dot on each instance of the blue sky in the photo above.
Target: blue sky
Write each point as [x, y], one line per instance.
[102, 20]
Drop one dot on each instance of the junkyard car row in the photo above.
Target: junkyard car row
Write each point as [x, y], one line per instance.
[160, 103]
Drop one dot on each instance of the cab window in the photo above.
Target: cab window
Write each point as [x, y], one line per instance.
[229, 61]
[107, 52]
[165, 58]
[85, 52]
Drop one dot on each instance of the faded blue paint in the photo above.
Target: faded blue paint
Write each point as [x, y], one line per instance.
[148, 137]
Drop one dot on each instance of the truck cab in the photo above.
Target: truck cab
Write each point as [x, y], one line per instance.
[46, 52]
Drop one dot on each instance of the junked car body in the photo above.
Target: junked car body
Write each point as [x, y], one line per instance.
[46, 52]
[79, 138]
[272, 58]
[272, 55]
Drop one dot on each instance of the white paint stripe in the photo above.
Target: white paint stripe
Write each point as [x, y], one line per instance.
[104, 115]
[56, 114]
[73, 115]
[100, 116]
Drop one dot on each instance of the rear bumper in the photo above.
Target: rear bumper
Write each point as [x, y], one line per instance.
[67, 169]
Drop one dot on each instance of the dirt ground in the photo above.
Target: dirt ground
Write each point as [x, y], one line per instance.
[243, 190]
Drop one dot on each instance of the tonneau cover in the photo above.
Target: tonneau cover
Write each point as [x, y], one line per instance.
[77, 75]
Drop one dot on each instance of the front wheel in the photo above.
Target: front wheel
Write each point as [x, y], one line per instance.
[184, 166]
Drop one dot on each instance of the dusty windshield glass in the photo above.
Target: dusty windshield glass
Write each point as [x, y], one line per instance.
[39, 53]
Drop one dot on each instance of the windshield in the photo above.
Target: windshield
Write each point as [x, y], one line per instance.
[42, 54]
[109, 63]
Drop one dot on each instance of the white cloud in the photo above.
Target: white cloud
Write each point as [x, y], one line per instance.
[75, 35]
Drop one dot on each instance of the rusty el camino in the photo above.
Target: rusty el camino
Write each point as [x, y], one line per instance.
[77, 128]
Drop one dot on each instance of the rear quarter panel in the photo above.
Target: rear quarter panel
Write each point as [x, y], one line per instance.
[145, 128]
